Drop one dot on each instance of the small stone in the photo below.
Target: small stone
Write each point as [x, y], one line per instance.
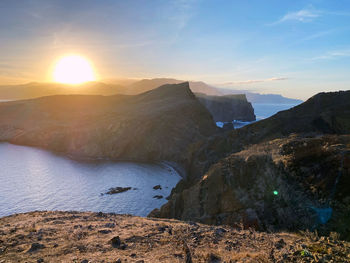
[220, 231]
[84, 261]
[110, 225]
[36, 246]
[117, 190]
[123, 246]
[280, 244]
[178, 255]
[162, 229]
[157, 187]
[104, 231]
[100, 214]
[40, 260]
[213, 259]
[116, 242]
[158, 196]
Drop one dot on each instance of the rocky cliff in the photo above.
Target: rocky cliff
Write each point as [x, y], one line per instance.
[324, 113]
[228, 108]
[286, 172]
[156, 125]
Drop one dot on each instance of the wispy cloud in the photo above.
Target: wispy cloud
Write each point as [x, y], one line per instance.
[247, 82]
[308, 14]
[335, 54]
[182, 11]
[304, 15]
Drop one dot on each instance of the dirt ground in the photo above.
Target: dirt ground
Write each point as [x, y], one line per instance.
[96, 237]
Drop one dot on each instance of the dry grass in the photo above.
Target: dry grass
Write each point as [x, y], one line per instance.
[74, 237]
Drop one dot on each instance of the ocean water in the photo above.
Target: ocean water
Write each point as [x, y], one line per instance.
[262, 111]
[265, 110]
[35, 179]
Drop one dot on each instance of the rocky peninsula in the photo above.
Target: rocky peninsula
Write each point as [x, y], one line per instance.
[158, 125]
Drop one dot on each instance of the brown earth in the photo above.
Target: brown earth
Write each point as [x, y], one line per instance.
[98, 237]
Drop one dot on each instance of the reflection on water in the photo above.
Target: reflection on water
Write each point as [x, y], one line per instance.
[34, 179]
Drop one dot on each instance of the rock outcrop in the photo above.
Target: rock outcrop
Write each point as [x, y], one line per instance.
[149, 84]
[156, 125]
[228, 108]
[285, 172]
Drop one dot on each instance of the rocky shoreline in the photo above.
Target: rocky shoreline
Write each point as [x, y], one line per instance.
[96, 237]
[302, 153]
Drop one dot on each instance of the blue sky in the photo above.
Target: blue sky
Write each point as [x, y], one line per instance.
[295, 48]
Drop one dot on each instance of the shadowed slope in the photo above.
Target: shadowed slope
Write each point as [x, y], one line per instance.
[156, 125]
[233, 175]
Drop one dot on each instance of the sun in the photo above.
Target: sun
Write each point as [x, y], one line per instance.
[73, 69]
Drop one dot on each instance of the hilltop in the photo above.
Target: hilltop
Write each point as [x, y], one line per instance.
[97, 237]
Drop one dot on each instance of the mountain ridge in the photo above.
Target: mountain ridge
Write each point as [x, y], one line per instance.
[127, 87]
[120, 126]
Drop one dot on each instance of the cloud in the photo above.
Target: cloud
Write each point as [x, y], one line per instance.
[304, 15]
[247, 82]
[308, 14]
[181, 12]
[335, 54]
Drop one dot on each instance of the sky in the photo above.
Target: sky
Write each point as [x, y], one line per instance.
[294, 48]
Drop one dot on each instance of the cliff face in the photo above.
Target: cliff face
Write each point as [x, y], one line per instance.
[324, 113]
[233, 176]
[156, 125]
[228, 108]
[307, 173]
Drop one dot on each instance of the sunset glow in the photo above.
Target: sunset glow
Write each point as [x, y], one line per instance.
[73, 69]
